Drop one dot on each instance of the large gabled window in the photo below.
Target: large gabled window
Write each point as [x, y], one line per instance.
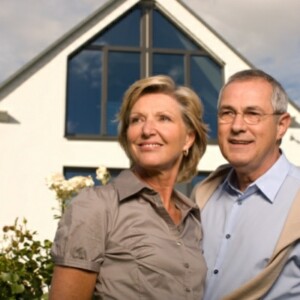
[142, 42]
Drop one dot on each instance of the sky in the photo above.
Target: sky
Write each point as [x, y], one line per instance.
[265, 32]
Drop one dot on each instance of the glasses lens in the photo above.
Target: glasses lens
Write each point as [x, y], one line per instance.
[252, 118]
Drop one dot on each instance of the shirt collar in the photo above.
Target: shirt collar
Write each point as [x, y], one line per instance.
[127, 185]
[269, 183]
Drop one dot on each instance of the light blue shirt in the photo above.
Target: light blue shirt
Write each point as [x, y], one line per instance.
[241, 230]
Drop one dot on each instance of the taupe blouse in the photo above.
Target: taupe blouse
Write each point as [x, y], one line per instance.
[123, 232]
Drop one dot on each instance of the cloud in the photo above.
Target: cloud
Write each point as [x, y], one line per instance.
[265, 32]
[28, 27]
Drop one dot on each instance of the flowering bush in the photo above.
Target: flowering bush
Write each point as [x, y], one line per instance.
[25, 264]
[66, 189]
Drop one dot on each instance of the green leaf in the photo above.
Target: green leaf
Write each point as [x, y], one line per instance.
[6, 277]
[15, 277]
[17, 288]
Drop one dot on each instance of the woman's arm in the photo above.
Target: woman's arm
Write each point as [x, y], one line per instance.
[71, 283]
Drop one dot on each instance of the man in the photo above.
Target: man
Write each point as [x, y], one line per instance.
[251, 208]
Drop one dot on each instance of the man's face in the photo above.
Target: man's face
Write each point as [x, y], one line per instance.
[251, 148]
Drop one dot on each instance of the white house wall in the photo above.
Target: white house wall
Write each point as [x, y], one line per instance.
[291, 141]
[35, 147]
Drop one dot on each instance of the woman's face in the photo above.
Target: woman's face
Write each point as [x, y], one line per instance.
[157, 134]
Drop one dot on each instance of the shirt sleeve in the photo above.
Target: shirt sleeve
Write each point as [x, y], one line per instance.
[80, 238]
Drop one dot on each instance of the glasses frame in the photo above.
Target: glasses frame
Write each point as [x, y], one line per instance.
[233, 114]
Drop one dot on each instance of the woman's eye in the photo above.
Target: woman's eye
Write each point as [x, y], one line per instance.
[164, 118]
[134, 120]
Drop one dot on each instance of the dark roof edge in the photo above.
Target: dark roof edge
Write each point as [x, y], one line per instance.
[294, 104]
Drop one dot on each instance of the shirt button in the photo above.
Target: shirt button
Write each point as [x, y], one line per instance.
[239, 202]
[187, 289]
[178, 243]
[228, 236]
[216, 271]
[186, 265]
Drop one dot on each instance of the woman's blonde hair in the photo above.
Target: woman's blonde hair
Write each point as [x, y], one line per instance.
[192, 115]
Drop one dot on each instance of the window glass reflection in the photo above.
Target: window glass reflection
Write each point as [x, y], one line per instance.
[70, 172]
[169, 64]
[206, 80]
[166, 35]
[187, 187]
[125, 32]
[83, 95]
[123, 70]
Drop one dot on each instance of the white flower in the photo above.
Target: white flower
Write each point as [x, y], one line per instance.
[54, 179]
[65, 190]
[102, 175]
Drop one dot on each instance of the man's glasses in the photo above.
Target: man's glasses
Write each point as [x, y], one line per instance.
[249, 117]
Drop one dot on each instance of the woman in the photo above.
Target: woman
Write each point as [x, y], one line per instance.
[137, 237]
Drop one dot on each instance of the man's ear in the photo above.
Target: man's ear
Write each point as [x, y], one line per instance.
[284, 122]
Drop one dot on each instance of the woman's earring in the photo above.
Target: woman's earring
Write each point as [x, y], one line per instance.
[186, 152]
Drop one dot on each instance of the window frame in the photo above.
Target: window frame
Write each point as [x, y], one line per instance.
[146, 64]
